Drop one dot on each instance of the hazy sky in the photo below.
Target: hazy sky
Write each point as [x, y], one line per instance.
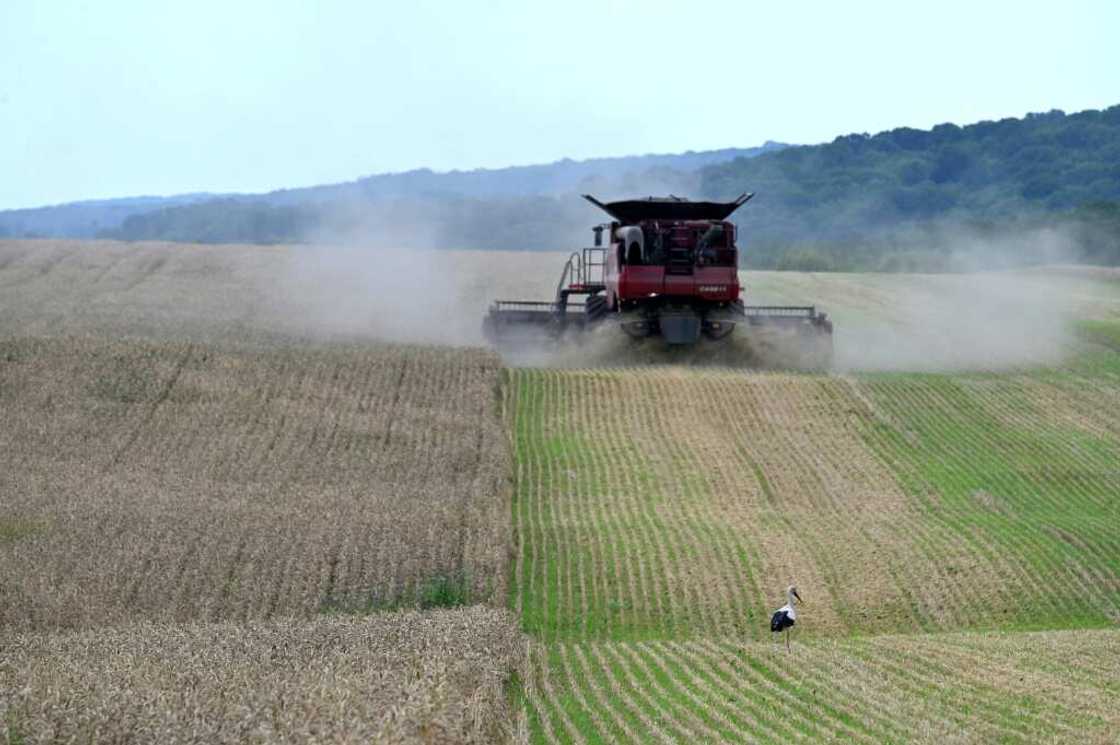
[116, 98]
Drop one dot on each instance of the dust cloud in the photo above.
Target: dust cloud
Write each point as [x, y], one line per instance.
[972, 318]
[608, 346]
[361, 280]
[375, 282]
[988, 321]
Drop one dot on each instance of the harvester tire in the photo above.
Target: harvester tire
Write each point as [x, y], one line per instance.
[595, 308]
[715, 334]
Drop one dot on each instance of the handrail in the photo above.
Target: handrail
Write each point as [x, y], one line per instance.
[780, 310]
[575, 263]
[588, 265]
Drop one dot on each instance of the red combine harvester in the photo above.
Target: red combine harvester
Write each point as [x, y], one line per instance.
[664, 267]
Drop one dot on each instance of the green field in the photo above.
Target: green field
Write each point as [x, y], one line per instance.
[956, 539]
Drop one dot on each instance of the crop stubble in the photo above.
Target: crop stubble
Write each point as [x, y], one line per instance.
[659, 512]
[655, 502]
[1053, 686]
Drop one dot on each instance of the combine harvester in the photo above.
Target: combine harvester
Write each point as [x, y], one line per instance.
[667, 268]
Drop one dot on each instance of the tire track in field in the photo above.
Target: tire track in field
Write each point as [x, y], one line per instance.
[148, 267]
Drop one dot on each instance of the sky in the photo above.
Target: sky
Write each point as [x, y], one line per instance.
[118, 98]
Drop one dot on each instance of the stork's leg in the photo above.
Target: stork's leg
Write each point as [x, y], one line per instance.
[787, 639]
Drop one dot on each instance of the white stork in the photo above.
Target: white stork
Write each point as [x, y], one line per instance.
[785, 616]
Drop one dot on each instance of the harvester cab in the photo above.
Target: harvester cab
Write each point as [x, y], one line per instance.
[661, 267]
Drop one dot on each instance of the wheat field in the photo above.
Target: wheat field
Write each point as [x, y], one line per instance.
[213, 527]
[397, 677]
[179, 482]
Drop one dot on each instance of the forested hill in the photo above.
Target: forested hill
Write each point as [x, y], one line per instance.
[1050, 168]
[1049, 161]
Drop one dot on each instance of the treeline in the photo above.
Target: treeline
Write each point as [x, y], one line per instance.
[859, 184]
[1088, 234]
[229, 220]
[529, 223]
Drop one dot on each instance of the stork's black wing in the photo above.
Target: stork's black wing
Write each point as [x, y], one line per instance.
[780, 621]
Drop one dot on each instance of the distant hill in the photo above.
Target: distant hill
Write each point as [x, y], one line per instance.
[1045, 187]
[242, 212]
[85, 219]
[561, 177]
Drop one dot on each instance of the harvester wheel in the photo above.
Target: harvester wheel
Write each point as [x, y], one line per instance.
[636, 326]
[717, 330]
[595, 308]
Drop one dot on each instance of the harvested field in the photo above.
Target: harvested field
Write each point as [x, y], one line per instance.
[175, 481]
[662, 503]
[1056, 686]
[1024, 471]
[660, 512]
[396, 677]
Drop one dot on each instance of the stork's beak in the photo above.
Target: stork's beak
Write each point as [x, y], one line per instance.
[798, 597]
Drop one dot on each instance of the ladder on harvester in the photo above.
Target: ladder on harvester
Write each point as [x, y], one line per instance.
[680, 253]
[582, 275]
